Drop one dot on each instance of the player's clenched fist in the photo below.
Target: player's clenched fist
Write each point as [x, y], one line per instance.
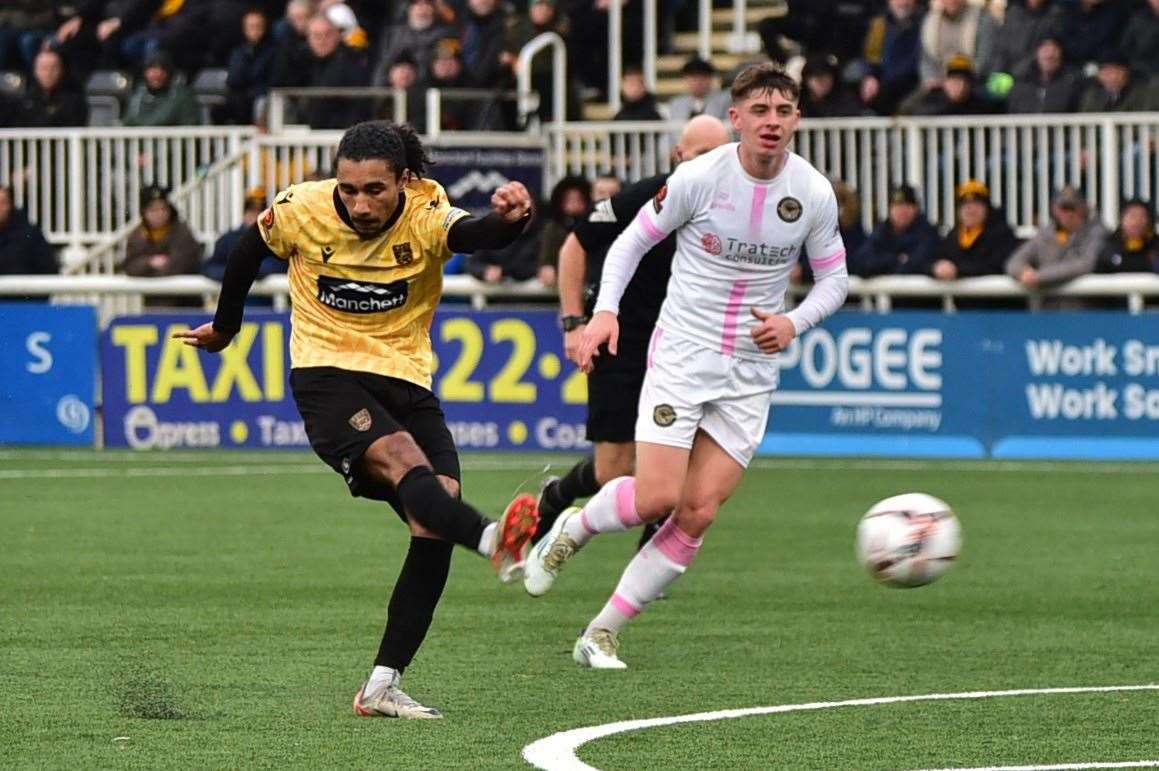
[603, 328]
[774, 332]
[511, 201]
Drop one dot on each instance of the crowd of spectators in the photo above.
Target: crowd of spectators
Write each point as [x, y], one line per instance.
[257, 45]
[855, 57]
[955, 57]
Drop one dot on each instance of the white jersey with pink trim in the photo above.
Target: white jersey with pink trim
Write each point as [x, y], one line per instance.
[737, 240]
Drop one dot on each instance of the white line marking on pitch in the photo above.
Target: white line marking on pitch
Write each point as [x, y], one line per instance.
[1062, 766]
[558, 751]
[476, 462]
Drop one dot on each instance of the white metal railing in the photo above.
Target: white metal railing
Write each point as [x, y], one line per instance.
[81, 185]
[280, 101]
[119, 295]
[123, 295]
[1022, 158]
[558, 74]
[274, 162]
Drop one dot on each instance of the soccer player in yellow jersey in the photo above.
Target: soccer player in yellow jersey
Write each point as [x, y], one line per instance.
[366, 253]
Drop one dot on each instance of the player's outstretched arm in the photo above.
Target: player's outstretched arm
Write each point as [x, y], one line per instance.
[245, 261]
[510, 213]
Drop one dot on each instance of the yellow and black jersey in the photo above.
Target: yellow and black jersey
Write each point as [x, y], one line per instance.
[362, 304]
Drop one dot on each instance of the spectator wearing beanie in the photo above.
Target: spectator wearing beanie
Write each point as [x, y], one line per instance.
[981, 240]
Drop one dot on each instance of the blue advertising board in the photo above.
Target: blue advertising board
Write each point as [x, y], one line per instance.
[1004, 385]
[48, 358]
[501, 377]
[471, 174]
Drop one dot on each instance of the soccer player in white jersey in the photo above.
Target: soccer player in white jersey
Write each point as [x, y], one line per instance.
[742, 214]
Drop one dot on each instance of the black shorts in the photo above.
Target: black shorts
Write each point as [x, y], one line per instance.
[347, 411]
[614, 393]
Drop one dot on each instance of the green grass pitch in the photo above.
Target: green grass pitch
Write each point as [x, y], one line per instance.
[220, 609]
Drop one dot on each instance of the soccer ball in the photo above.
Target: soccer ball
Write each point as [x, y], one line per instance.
[908, 540]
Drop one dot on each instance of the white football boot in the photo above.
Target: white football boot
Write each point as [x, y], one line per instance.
[390, 701]
[596, 649]
[547, 557]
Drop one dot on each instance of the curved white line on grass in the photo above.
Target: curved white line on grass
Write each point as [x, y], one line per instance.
[1062, 766]
[558, 751]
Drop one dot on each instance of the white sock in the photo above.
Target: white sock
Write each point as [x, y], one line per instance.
[611, 510]
[381, 677]
[654, 568]
[487, 543]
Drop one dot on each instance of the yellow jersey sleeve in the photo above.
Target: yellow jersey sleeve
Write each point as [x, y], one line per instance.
[279, 224]
[440, 216]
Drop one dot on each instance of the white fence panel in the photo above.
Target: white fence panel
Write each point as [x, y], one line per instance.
[1022, 158]
[83, 185]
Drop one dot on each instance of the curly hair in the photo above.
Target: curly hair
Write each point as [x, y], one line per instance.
[396, 143]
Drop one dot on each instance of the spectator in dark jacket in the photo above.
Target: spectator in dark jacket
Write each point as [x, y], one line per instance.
[292, 52]
[892, 50]
[50, 99]
[823, 94]
[981, 240]
[1114, 89]
[1049, 86]
[484, 35]
[333, 65]
[570, 198]
[1140, 43]
[1091, 28]
[251, 66]
[901, 245]
[214, 267]
[637, 102]
[160, 100]
[957, 95]
[1027, 22]
[416, 39]
[1133, 247]
[23, 248]
[163, 245]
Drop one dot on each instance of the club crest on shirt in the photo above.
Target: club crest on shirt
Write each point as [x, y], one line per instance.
[711, 243]
[658, 199]
[403, 254]
[664, 415]
[360, 421]
[327, 253]
[789, 209]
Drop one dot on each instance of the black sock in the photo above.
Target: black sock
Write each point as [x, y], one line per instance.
[432, 506]
[412, 604]
[650, 529]
[578, 482]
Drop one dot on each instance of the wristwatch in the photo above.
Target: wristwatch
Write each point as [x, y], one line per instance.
[570, 323]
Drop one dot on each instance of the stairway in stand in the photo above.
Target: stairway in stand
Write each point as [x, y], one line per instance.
[685, 44]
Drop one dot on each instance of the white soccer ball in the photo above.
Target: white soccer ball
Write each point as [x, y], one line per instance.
[908, 540]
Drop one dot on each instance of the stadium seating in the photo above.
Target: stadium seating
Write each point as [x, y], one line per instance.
[106, 91]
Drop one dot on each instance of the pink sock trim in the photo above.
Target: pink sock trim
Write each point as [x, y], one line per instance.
[586, 524]
[626, 503]
[675, 544]
[624, 606]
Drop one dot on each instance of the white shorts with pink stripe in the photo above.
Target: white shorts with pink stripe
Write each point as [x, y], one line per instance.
[689, 386]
